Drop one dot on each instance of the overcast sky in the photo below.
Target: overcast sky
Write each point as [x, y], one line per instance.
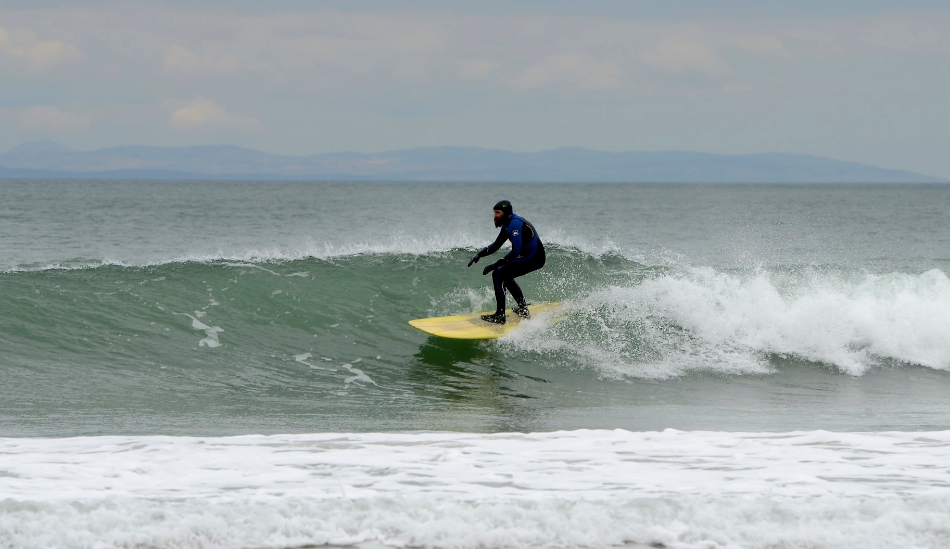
[867, 81]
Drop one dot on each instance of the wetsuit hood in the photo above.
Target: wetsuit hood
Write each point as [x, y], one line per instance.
[505, 208]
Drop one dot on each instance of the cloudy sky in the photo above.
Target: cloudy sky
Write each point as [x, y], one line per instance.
[867, 81]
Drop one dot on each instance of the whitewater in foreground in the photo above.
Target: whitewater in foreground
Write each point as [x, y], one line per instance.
[563, 489]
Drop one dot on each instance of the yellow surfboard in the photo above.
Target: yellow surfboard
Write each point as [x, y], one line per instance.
[471, 326]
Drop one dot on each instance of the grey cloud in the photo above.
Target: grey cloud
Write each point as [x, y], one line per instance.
[381, 75]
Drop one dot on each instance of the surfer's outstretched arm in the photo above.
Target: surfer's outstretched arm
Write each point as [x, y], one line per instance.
[502, 237]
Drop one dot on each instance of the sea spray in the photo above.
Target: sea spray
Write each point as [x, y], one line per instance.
[671, 322]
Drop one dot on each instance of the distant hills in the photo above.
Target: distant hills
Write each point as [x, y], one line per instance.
[48, 159]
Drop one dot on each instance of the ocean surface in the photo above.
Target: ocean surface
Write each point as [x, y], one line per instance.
[229, 365]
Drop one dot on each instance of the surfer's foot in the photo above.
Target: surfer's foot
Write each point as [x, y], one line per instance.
[497, 318]
[522, 311]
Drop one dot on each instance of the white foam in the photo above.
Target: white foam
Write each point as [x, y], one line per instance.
[562, 489]
[705, 319]
[211, 332]
[358, 375]
[304, 358]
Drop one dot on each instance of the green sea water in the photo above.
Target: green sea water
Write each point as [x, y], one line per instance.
[213, 308]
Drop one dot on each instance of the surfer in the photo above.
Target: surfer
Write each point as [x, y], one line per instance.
[526, 255]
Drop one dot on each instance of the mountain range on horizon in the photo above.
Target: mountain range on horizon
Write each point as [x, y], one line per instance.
[50, 160]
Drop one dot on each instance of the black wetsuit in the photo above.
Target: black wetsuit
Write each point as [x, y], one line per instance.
[527, 255]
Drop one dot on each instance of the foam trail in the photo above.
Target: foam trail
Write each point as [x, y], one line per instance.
[358, 375]
[211, 332]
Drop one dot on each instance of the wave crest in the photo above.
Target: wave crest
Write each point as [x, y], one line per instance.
[399, 244]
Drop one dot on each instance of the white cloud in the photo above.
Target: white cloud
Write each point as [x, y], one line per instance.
[182, 60]
[332, 48]
[50, 119]
[319, 48]
[765, 47]
[23, 46]
[902, 34]
[334, 51]
[678, 54]
[205, 112]
[475, 69]
[574, 71]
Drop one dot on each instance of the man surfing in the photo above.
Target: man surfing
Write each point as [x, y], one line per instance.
[526, 255]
